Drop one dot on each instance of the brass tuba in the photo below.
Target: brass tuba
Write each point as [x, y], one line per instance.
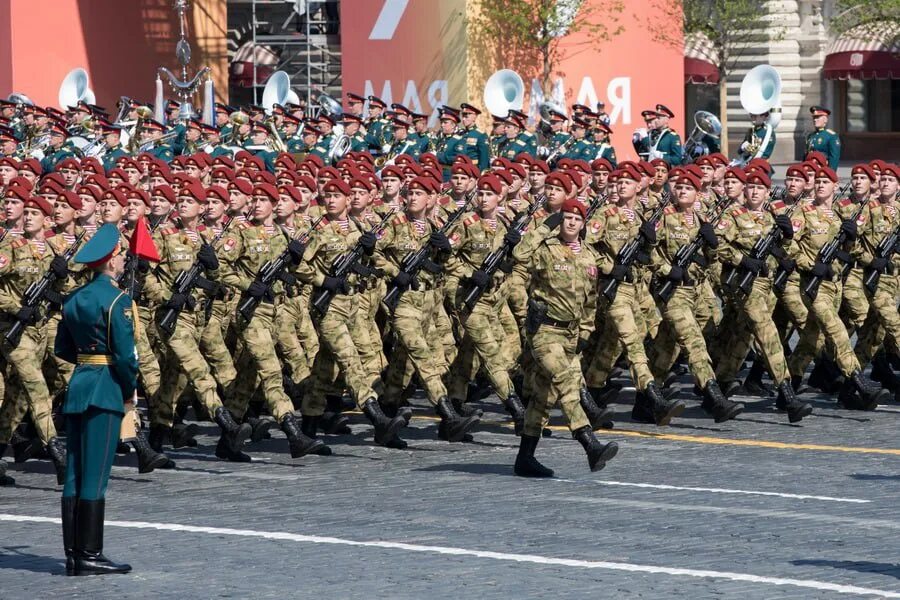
[705, 123]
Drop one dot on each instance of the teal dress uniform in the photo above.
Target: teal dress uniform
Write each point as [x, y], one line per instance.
[605, 150]
[378, 133]
[408, 146]
[422, 142]
[220, 150]
[112, 155]
[358, 143]
[759, 133]
[530, 141]
[669, 147]
[828, 143]
[446, 151]
[162, 152]
[178, 143]
[475, 146]
[580, 150]
[97, 334]
[49, 162]
[559, 138]
[513, 148]
[498, 142]
[323, 147]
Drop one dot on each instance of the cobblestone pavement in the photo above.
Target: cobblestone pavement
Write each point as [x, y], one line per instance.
[754, 508]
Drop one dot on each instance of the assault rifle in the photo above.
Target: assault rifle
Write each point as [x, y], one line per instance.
[36, 292]
[628, 253]
[344, 264]
[492, 261]
[886, 249]
[828, 253]
[270, 272]
[128, 279]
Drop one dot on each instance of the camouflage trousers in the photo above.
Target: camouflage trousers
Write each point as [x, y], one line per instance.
[214, 348]
[148, 362]
[482, 346]
[26, 389]
[338, 357]
[419, 348]
[288, 320]
[882, 324]
[183, 357]
[56, 371]
[823, 325]
[681, 329]
[750, 318]
[623, 328]
[257, 354]
[790, 310]
[556, 373]
[854, 301]
[369, 344]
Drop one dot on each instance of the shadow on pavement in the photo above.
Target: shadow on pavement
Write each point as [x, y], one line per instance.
[475, 469]
[874, 477]
[862, 566]
[13, 558]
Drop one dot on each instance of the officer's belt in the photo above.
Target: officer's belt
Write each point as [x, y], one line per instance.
[94, 359]
[559, 324]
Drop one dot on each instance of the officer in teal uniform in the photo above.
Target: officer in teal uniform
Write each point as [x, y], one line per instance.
[474, 143]
[560, 136]
[97, 335]
[402, 142]
[822, 139]
[514, 143]
[112, 135]
[759, 141]
[498, 135]
[212, 142]
[527, 137]
[322, 149]
[172, 110]
[57, 150]
[579, 148]
[420, 133]
[378, 128]
[449, 144]
[154, 131]
[602, 148]
[351, 124]
[258, 146]
[668, 143]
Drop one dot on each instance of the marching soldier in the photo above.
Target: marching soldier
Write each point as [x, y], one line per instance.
[561, 305]
[112, 135]
[421, 133]
[822, 139]
[402, 143]
[322, 149]
[514, 144]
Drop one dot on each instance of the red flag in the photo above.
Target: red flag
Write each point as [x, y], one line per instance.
[141, 243]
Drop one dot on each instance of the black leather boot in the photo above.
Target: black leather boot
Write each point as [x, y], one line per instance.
[299, 443]
[386, 428]
[883, 373]
[787, 401]
[870, 393]
[598, 454]
[797, 384]
[4, 478]
[259, 428]
[600, 417]
[233, 435]
[89, 559]
[148, 458]
[604, 395]
[309, 426]
[224, 451]
[182, 435]
[662, 410]
[159, 435]
[333, 422]
[715, 403]
[69, 505]
[730, 388]
[526, 464]
[642, 411]
[753, 384]
[57, 453]
[466, 407]
[825, 376]
[454, 425]
[516, 410]
[25, 448]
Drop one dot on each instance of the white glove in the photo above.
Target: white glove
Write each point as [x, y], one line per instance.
[639, 134]
[745, 146]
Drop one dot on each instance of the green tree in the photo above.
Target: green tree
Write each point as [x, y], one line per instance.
[869, 19]
[536, 36]
[732, 27]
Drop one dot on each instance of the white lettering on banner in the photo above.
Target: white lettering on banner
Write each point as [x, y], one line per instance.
[618, 95]
[386, 94]
[411, 97]
[388, 20]
[437, 96]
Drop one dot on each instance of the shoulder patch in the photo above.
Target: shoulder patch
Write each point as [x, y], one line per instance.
[229, 244]
[471, 220]
[739, 210]
[322, 224]
[831, 131]
[809, 207]
[777, 205]
[400, 219]
[444, 200]
[670, 210]
[4, 261]
[845, 202]
[169, 231]
[18, 243]
[611, 211]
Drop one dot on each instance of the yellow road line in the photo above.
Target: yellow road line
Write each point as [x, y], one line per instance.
[704, 439]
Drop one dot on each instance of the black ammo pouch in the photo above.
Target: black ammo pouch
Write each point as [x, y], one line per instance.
[534, 318]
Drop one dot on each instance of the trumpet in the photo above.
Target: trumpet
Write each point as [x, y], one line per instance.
[277, 144]
[147, 146]
[237, 119]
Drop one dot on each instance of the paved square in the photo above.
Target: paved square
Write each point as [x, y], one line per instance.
[753, 508]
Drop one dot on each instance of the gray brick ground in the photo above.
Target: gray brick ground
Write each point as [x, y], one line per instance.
[464, 495]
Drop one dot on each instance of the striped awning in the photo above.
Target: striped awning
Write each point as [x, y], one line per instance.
[700, 60]
[870, 51]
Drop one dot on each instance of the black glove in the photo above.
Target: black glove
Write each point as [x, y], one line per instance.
[432, 267]
[402, 280]
[59, 266]
[367, 242]
[143, 265]
[336, 285]
[582, 345]
[709, 235]
[642, 258]
[207, 257]
[296, 248]
[787, 264]
[822, 271]
[177, 301]
[512, 238]
[754, 265]
[619, 272]
[28, 314]
[648, 232]
[783, 222]
[843, 256]
[879, 264]
[700, 261]
[257, 289]
[553, 221]
[439, 242]
[675, 274]
[850, 230]
[288, 279]
[480, 279]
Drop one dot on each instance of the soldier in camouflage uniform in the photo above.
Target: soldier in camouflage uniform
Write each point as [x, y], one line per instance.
[562, 301]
